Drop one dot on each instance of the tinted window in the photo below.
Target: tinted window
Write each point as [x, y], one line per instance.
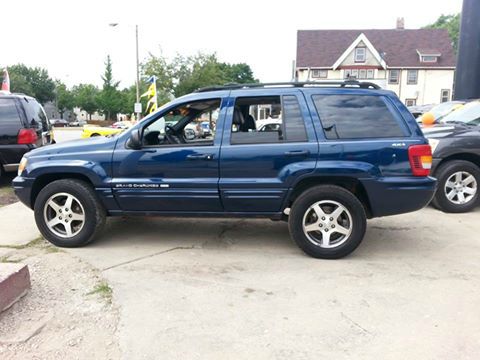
[267, 119]
[8, 113]
[294, 123]
[355, 117]
[36, 115]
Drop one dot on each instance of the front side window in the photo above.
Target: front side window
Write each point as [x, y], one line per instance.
[360, 54]
[412, 77]
[190, 124]
[356, 117]
[267, 119]
[393, 76]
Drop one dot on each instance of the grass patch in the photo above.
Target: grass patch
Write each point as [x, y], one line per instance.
[34, 243]
[4, 259]
[103, 290]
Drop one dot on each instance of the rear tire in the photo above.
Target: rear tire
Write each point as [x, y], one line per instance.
[458, 182]
[327, 222]
[68, 213]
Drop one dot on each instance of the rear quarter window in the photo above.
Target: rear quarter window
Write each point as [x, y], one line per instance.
[9, 115]
[356, 117]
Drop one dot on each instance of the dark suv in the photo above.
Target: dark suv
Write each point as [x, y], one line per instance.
[23, 127]
[345, 152]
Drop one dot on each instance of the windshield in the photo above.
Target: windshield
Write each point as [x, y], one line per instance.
[468, 114]
[440, 110]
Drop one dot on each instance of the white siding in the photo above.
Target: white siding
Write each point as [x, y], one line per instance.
[428, 88]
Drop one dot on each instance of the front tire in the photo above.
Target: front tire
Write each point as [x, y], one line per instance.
[68, 213]
[458, 182]
[327, 222]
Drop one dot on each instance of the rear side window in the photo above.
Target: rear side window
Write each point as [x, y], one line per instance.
[36, 115]
[267, 119]
[8, 113]
[356, 117]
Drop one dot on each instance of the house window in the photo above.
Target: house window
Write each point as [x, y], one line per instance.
[360, 54]
[362, 74]
[347, 73]
[370, 74]
[429, 58]
[445, 95]
[410, 102]
[319, 74]
[412, 77]
[393, 76]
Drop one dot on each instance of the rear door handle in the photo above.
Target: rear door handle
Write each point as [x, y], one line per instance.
[297, 153]
[200, 157]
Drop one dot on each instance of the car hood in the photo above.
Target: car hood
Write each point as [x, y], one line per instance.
[97, 143]
[446, 130]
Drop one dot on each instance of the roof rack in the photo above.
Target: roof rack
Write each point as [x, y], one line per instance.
[345, 83]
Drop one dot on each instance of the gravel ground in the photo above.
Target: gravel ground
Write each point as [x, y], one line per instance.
[7, 196]
[68, 313]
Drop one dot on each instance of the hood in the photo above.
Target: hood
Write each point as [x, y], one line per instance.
[97, 143]
[444, 130]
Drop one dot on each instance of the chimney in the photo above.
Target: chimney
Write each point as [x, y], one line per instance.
[400, 23]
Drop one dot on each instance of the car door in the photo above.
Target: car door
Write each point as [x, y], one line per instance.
[170, 178]
[257, 168]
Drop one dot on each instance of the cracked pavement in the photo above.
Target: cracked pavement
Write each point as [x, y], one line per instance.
[216, 289]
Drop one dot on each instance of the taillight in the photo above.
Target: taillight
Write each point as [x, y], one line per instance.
[420, 157]
[27, 136]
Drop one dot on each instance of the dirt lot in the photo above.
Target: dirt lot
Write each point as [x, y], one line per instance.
[7, 195]
[67, 314]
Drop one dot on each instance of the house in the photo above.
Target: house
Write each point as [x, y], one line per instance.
[417, 64]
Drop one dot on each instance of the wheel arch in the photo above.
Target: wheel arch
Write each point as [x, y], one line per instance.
[473, 158]
[348, 183]
[45, 179]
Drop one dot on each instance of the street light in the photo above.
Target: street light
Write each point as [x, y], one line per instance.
[137, 107]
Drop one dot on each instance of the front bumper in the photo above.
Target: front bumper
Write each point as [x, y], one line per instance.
[23, 189]
[399, 195]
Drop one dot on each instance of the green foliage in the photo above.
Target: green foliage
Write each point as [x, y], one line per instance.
[110, 99]
[65, 98]
[185, 74]
[32, 81]
[452, 24]
[86, 98]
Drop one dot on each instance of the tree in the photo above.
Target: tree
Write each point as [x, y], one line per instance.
[86, 98]
[185, 74]
[240, 73]
[65, 98]
[452, 24]
[110, 99]
[32, 81]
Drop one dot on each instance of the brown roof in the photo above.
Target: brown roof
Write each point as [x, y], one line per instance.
[321, 48]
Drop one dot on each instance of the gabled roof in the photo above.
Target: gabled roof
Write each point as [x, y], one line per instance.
[360, 39]
[322, 48]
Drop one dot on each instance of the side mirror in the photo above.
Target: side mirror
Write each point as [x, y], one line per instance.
[135, 141]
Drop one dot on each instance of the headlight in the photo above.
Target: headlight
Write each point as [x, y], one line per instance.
[433, 144]
[22, 166]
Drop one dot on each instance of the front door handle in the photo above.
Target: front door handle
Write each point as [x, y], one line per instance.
[200, 157]
[297, 153]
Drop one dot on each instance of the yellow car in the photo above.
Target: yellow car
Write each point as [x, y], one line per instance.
[91, 131]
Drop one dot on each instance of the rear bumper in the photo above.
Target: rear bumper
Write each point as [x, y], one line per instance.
[23, 189]
[399, 195]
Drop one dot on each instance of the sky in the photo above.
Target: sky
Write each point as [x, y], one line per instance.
[72, 39]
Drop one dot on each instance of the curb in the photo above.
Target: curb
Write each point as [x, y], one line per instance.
[14, 283]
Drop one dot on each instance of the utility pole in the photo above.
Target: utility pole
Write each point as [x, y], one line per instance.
[467, 85]
[138, 71]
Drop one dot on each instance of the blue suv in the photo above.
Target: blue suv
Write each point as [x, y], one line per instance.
[342, 152]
